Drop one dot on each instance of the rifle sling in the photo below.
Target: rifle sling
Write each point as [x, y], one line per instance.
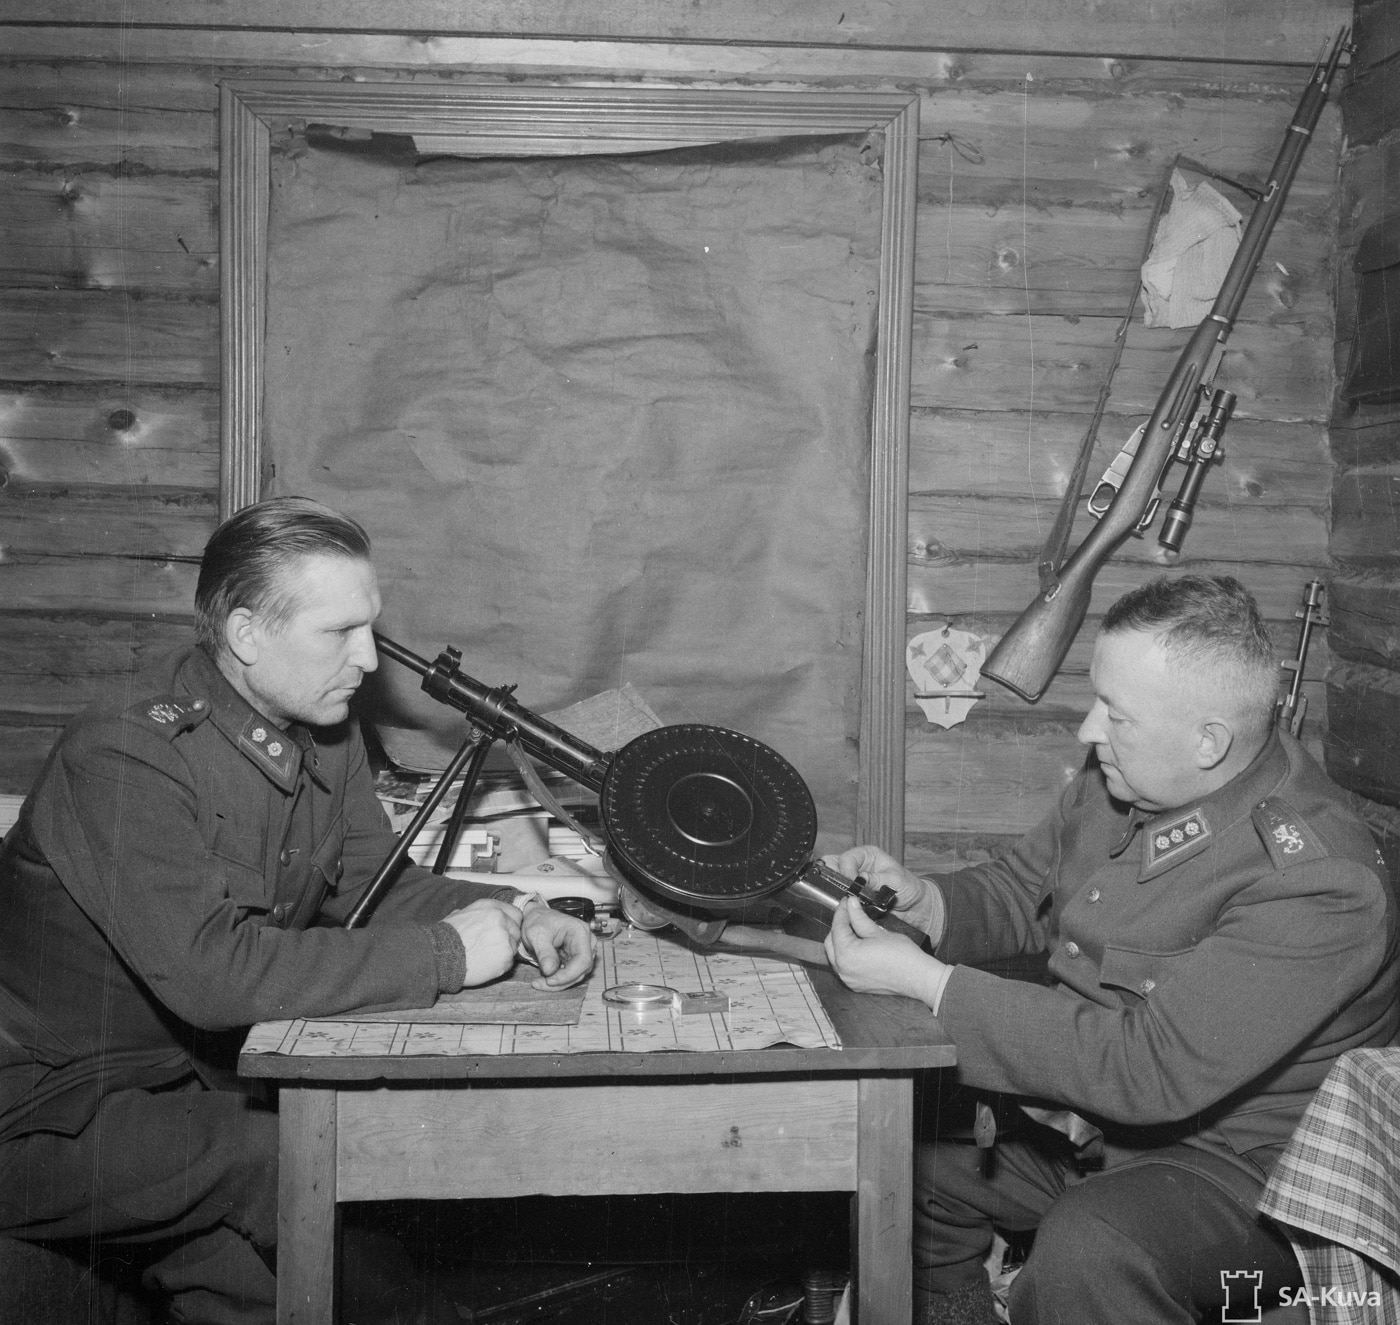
[1057, 544]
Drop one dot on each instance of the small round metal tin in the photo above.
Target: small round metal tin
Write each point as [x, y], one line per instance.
[639, 995]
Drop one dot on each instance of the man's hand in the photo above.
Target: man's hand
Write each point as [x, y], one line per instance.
[916, 900]
[561, 945]
[490, 933]
[871, 960]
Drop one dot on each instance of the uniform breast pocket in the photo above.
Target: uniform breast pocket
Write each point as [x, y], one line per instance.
[327, 863]
[238, 859]
[1138, 975]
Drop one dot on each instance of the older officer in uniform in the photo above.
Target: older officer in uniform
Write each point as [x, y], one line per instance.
[179, 872]
[1218, 931]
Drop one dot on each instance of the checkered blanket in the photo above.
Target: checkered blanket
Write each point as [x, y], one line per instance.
[1336, 1191]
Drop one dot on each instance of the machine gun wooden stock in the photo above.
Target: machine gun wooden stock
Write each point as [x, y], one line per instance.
[1030, 653]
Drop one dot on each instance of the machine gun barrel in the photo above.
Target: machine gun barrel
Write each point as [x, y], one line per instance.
[499, 716]
[1031, 651]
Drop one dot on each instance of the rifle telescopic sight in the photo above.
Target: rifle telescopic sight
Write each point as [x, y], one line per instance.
[1205, 451]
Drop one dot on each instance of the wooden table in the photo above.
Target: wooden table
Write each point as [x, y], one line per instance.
[758, 1120]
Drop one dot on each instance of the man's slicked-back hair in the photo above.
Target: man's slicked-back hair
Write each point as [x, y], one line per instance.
[248, 560]
[1210, 625]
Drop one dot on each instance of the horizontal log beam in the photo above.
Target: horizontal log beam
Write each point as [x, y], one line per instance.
[115, 523]
[1364, 611]
[83, 435]
[26, 744]
[1018, 454]
[1282, 373]
[88, 335]
[99, 585]
[940, 853]
[1366, 515]
[982, 526]
[964, 586]
[95, 230]
[1363, 716]
[1290, 31]
[51, 666]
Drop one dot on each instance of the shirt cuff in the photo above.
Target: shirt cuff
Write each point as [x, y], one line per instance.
[937, 985]
[450, 955]
[929, 914]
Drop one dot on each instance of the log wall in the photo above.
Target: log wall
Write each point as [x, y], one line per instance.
[1044, 142]
[1363, 687]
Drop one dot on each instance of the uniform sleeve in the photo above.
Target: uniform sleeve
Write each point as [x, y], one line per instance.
[1183, 1031]
[993, 910]
[120, 828]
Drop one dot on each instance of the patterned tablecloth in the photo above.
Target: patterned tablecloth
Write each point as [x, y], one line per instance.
[1336, 1191]
[767, 1002]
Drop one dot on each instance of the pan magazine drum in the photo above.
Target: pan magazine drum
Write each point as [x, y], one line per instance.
[698, 819]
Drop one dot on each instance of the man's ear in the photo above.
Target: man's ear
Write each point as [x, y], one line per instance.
[1213, 743]
[241, 636]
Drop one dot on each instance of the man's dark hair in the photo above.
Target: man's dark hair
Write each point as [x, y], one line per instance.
[1211, 625]
[247, 560]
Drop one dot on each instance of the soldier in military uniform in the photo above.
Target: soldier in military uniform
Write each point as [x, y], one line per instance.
[1218, 929]
[180, 871]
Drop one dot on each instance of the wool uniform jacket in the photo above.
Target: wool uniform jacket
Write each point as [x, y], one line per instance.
[1206, 964]
[179, 872]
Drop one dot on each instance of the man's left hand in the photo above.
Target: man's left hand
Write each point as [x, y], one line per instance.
[561, 945]
[871, 960]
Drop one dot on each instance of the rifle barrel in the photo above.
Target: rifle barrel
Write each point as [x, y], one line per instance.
[1030, 653]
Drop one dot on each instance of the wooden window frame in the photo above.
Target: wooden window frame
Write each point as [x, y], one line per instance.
[553, 121]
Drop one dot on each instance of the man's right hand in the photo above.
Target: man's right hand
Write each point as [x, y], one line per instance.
[490, 933]
[916, 900]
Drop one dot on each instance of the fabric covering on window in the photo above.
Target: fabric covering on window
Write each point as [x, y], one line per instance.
[606, 419]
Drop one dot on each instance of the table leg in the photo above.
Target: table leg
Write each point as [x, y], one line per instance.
[883, 1255]
[306, 1214]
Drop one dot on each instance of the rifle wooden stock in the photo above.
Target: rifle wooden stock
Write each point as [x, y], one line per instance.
[1030, 653]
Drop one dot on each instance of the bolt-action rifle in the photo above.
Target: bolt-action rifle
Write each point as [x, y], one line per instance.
[1030, 653]
[1293, 707]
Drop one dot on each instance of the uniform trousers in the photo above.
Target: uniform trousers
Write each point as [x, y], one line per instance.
[189, 1172]
[1144, 1241]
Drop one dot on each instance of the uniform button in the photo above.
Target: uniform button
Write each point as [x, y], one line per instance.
[1094, 894]
[1147, 986]
[1071, 950]
[279, 912]
[285, 857]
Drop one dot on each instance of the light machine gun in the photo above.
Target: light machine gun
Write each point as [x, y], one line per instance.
[1030, 653]
[701, 821]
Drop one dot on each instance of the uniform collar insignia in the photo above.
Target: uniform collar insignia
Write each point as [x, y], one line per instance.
[271, 749]
[1169, 840]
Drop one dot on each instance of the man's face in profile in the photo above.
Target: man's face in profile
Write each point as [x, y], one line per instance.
[1144, 722]
[306, 668]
